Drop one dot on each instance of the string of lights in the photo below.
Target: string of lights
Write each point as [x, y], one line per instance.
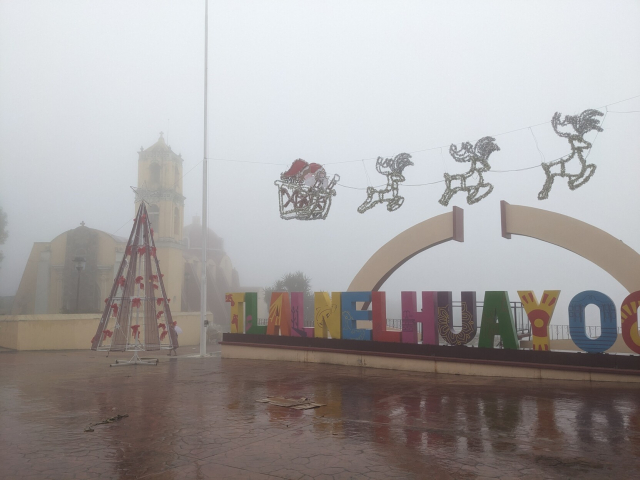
[538, 165]
[440, 147]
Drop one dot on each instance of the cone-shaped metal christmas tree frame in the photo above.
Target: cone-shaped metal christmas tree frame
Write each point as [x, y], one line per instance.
[131, 310]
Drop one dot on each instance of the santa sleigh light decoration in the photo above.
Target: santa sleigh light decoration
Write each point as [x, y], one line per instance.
[305, 192]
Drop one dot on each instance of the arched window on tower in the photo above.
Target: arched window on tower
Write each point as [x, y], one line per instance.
[176, 221]
[154, 173]
[176, 176]
[154, 216]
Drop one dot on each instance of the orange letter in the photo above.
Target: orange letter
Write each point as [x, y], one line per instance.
[279, 315]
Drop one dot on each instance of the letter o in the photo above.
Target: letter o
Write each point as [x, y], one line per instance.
[608, 321]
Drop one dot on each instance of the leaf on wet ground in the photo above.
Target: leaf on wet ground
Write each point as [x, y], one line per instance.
[106, 421]
[302, 403]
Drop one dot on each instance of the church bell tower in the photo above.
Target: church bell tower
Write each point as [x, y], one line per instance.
[160, 185]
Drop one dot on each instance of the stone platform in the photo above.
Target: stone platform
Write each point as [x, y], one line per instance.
[443, 359]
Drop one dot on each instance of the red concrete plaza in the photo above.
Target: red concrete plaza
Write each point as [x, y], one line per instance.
[193, 418]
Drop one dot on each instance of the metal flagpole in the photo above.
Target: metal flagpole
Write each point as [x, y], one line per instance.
[205, 232]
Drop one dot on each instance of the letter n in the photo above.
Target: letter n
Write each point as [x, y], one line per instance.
[327, 315]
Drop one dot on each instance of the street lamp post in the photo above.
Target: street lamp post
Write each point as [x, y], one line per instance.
[79, 263]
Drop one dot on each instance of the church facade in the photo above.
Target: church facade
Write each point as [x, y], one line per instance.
[50, 280]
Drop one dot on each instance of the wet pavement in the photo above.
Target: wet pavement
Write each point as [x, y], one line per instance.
[193, 418]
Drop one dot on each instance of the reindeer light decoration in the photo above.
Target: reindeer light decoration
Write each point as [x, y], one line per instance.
[392, 168]
[478, 156]
[581, 125]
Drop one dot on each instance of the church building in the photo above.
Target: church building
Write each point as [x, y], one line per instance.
[55, 281]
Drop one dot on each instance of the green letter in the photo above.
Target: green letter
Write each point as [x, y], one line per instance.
[497, 307]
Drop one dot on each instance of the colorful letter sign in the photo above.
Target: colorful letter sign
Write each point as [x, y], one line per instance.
[251, 314]
[328, 312]
[379, 314]
[279, 315]
[337, 317]
[426, 317]
[539, 315]
[608, 321]
[237, 311]
[297, 314]
[445, 318]
[350, 315]
[629, 317]
[497, 307]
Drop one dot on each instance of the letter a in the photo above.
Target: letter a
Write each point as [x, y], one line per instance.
[496, 307]
[279, 322]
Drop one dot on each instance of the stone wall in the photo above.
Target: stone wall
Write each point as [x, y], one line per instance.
[567, 345]
[74, 332]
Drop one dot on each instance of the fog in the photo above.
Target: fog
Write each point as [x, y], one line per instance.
[83, 85]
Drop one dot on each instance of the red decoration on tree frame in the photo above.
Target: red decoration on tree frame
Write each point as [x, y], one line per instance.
[131, 307]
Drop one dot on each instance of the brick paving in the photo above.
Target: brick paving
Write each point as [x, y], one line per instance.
[193, 418]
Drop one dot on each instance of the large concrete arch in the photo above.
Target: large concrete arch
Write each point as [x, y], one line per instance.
[393, 254]
[597, 246]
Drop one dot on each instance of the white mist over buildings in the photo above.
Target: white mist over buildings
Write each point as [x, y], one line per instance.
[84, 84]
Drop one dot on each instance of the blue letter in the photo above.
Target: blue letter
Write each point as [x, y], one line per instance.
[350, 314]
[608, 321]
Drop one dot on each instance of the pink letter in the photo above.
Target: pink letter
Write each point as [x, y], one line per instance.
[411, 317]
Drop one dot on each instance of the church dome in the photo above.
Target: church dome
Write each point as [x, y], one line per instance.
[192, 238]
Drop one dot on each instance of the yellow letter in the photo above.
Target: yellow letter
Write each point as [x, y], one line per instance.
[237, 311]
[539, 315]
[327, 318]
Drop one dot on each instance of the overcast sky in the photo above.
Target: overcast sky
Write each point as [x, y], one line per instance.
[85, 84]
